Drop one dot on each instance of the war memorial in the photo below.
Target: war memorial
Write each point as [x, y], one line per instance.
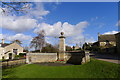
[62, 55]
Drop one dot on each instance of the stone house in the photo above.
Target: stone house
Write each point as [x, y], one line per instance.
[118, 41]
[106, 40]
[8, 51]
[90, 44]
[77, 47]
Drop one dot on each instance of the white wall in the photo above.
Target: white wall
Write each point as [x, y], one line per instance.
[14, 46]
[1, 52]
[9, 49]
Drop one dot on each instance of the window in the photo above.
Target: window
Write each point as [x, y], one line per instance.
[107, 42]
[15, 51]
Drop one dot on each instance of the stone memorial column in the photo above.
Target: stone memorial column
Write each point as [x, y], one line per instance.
[62, 47]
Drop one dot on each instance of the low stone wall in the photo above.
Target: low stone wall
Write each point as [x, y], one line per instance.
[77, 57]
[71, 57]
[41, 57]
[13, 62]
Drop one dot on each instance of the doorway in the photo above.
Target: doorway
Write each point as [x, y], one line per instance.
[10, 55]
[15, 51]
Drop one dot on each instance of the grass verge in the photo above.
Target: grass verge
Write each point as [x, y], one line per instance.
[93, 69]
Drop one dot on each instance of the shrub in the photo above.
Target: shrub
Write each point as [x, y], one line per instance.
[49, 48]
[17, 56]
[22, 54]
[35, 51]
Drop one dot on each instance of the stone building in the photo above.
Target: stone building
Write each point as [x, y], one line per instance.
[118, 41]
[77, 47]
[8, 51]
[106, 40]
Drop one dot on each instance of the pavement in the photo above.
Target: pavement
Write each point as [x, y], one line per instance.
[106, 57]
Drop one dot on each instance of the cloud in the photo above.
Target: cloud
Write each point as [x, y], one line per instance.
[118, 23]
[73, 33]
[18, 36]
[90, 40]
[94, 19]
[100, 25]
[25, 22]
[18, 24]
[111, 32]
[51, 30]
[79, 39]
[38, 10]
[55, 29]
[1, 36]
[35, 9]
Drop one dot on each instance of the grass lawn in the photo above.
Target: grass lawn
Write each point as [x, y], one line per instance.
[93, 69]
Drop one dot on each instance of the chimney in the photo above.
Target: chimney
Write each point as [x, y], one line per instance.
[2, 41]
[98, 34]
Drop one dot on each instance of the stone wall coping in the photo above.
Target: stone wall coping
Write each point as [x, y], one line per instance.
[41, 53]
[87, 53]
[72, 53]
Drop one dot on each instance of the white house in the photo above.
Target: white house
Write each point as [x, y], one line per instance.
[8, 51]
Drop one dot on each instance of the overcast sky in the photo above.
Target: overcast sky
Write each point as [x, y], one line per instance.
[80, 21]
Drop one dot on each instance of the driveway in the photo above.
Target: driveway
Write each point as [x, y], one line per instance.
[106, 57]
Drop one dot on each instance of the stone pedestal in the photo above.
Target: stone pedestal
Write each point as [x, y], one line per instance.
[62, 47]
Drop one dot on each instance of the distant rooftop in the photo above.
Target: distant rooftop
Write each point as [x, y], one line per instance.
[109, 37]
[4, 45]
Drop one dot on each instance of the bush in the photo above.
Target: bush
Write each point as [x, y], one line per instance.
[35, 51]
[49, 48]
[22, 54]
[68, 48]
[17, 56]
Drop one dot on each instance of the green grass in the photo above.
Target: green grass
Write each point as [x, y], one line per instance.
[93, 69]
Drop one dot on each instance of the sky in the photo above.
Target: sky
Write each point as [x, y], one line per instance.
[80, 22]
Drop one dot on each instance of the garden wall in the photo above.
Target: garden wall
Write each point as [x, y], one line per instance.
[71, 57]
[41, 57]
[77, 58]
[11, 63]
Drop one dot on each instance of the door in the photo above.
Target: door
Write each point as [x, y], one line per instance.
[10, 55]
[15, 51]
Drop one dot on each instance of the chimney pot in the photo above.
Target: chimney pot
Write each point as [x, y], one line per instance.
[2, 41]
[98, 34]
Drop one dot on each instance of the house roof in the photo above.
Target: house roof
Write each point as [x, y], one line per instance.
[95, 43]
[103, 38]
[4, 45]
[118, 33]
[90, 43]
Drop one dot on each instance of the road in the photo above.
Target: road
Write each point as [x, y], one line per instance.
[106, 57]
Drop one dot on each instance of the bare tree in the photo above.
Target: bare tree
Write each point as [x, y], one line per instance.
[39, 41]
[26, 49]
[49, 48]
[15, 7]
[17, 41]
